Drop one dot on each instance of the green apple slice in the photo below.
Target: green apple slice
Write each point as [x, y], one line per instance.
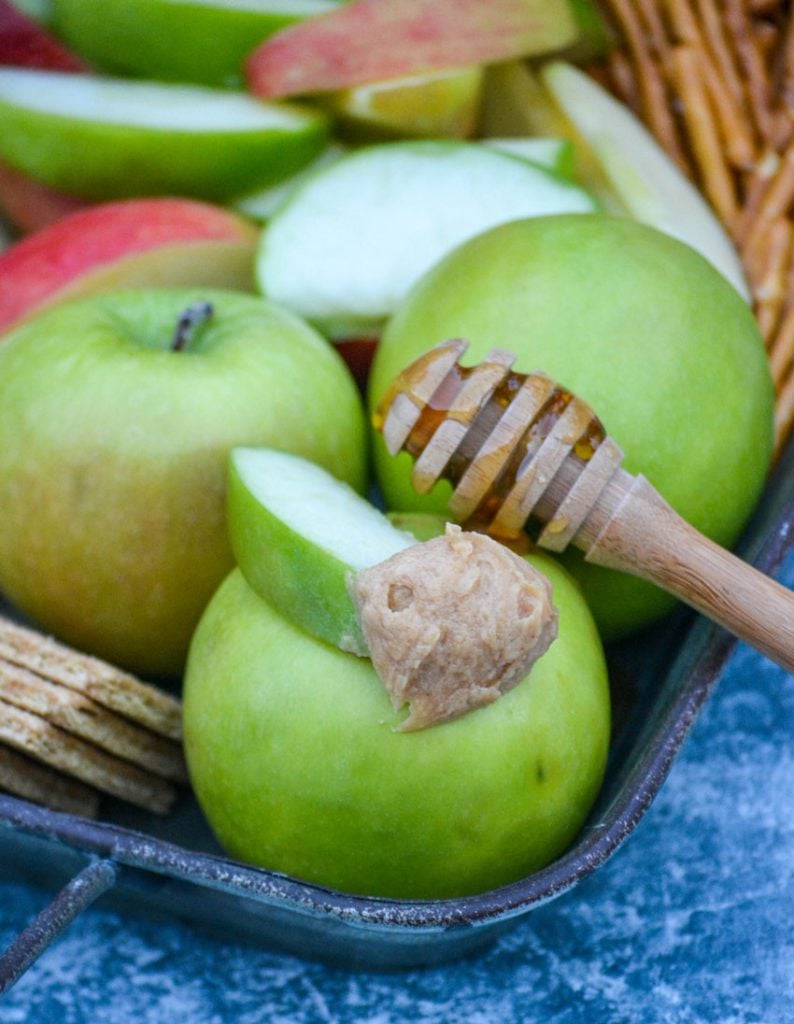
[645, 179]
[203, 41]
[263, 203]
[105, 138]
[299, 534]
[348, 245]
[555, 155]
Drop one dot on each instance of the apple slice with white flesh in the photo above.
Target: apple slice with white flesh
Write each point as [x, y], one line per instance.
[329, 561]
[348, 245]
[650, 186]
[299, 534]
[555, 155]
[203, 41]
[262, 203]
[104, 138]
[436, 105]
[372, 41]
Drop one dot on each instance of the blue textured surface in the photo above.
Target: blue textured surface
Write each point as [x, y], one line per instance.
[692, 920]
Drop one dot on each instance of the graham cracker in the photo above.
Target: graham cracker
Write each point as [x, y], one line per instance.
[82, 717]
[39, 739]
[24, 778]
[109, 686]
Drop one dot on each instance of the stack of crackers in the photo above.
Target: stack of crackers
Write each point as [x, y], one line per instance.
[714, 82]
[72, 727]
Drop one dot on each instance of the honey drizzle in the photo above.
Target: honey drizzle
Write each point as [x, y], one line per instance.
[537, 430]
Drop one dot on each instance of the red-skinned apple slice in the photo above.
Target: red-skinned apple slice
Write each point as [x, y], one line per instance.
[140, 242]
[25, 44]
[372, 40]
[29, 205]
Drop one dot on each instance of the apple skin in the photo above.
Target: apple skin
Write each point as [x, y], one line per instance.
[29, 205]
[197, 42]
[79, 143]
[294, 759]
[113, 457]
[370, 41]
[132, 244]
[25, 43]
[639, 326]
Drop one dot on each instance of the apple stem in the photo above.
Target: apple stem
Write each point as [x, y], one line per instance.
[192, 318]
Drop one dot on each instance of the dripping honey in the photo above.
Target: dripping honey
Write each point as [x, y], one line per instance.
[437, 410]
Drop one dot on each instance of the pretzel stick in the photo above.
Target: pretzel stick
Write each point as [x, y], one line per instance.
[762, 6]
[784, 118]
[753, 68]
[784, 414]
[652, 85]
[716, 41]
[781, 355]
[756, 185]
[717, 181]
[656, 32]
[753, 253]
[775, 201]
[622, 79]
[739, 145]
[725, 91]
[770, 292]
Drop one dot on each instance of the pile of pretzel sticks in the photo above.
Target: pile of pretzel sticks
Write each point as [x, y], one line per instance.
[714, 82]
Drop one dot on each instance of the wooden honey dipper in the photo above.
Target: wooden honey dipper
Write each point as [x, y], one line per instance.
[518, 448]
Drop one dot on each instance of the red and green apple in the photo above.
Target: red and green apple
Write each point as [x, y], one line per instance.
[113, 449]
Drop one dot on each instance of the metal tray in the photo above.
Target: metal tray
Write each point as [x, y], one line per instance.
[174, 868]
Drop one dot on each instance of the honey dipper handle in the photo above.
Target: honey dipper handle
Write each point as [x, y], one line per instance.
[633, 529]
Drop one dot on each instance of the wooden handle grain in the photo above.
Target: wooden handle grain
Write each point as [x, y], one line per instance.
[633, 529]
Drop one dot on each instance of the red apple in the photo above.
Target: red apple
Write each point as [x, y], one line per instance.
[129, 244]
[25, 44]
[29, 205]
[370, 41]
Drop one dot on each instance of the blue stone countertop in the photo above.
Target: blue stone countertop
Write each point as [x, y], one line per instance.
[691, 921]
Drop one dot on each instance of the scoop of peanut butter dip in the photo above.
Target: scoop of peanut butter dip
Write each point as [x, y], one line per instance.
[453, 623]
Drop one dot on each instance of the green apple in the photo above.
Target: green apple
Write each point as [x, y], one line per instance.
[644, 178]
[104, 138]
[295, 760]
[203, 41]
[637, 324]
[349, 243]
[113, 455]
[299, 535]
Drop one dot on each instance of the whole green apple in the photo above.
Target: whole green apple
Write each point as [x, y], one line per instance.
[635, 323]
[113, 452]
[294, 757]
